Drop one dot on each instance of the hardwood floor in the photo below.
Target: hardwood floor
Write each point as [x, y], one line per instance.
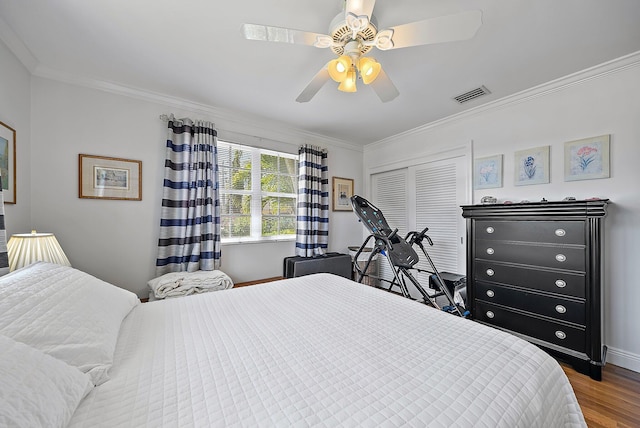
[259, 281]
[612, 402]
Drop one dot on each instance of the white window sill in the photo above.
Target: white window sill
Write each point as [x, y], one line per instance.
[257, 241]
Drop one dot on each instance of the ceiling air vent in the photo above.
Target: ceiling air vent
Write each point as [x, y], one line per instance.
[472, 95]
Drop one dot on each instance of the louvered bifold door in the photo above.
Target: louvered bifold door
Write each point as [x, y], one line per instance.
[389, 194]
[439, 192]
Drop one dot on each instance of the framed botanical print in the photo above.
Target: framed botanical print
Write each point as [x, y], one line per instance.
[587, 159]
[532, 166]
[487, 172]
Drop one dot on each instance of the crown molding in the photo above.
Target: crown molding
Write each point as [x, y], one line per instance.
[596, 72]
[15, 45]
[258, 125]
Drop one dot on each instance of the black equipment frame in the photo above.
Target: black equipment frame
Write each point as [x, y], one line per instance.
[400, 255]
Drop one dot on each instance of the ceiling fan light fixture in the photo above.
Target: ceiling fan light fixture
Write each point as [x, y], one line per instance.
[339, 68]
[349, 84]
[369, 69]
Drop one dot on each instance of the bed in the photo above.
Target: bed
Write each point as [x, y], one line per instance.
[318, 350]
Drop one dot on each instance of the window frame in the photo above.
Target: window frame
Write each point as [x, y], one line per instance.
[257, 194]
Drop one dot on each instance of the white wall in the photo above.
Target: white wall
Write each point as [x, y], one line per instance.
[15, 110]
[596, 102]
[116, 240]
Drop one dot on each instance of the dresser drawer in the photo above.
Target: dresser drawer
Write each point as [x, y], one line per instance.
[571, 258]
[539, 328]
[553, 232]
[559, 282]
[553, 307]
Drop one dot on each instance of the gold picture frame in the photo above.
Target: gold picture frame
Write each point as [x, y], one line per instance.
[342, 191]
[8, 162]
[104, 177]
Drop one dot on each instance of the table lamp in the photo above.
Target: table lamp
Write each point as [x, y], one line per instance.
[27, 248]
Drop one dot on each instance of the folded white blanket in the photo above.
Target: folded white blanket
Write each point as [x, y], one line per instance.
[176, 284]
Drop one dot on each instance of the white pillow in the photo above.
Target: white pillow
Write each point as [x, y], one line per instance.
[65, 313]
[37, 390]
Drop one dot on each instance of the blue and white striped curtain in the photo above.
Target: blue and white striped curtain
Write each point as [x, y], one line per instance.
[190, 216]
[4, 256]
[313, 202]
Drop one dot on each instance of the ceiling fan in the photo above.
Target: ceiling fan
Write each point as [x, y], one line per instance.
[354, 32]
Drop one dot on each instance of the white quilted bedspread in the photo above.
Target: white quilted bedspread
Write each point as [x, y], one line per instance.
[322, 351]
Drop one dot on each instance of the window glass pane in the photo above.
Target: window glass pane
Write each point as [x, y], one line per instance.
[269, 162]
[235, 226]
[232, 156]
[288, 184]
[272, 182]
[269, 205]
[269, 182]
[287, 206]
[288, 166]
[234, 179]
[241, 226]
[288, 225]
[235, 204]
[269, 225]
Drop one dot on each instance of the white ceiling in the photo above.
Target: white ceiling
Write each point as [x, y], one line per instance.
[193, 50]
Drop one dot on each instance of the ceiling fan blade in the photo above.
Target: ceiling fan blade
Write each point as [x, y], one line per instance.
[448, 28]
[360, 7]
[384, 87]
[314, 86]
[284, 35]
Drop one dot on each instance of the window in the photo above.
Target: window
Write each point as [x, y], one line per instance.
[258, 193]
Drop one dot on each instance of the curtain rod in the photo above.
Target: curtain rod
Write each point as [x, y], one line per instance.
[172, 118]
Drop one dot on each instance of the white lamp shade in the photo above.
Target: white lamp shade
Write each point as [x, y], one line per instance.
[27, 248]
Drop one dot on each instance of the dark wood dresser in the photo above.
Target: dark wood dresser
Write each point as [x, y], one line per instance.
[535, 270]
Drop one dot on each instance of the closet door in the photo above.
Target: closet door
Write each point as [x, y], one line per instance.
[426, 195]
[389, 192]
[438, 190]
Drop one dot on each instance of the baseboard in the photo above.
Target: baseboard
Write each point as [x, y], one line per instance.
[258, 281]
[623, 359]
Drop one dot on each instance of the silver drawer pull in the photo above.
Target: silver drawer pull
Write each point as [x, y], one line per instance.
[561, 309]
[490, 293]
[561, 232]
[490, 272]
[560, 283]
[490, 229]
[561, 257]
[490, 314]
[490, 251]
[561, 334]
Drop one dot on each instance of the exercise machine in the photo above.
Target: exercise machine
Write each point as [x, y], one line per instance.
[400, 255]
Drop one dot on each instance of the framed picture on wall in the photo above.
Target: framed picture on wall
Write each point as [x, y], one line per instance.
[342, 193]
[8, 162]
[110, 178]
[487, 172]
[532, 166]
[587, 159]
